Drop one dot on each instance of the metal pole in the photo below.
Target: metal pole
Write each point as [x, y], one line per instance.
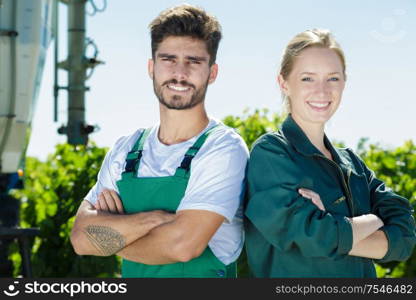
[76, 73]
[55, 71]
[11, 115]
[24, 247]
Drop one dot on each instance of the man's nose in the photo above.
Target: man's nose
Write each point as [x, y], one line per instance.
[180, 71]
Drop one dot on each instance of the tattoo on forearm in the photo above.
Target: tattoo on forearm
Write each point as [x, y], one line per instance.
[107, 240]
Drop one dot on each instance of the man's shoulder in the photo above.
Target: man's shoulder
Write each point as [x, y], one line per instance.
[225, 136]
[126, 142]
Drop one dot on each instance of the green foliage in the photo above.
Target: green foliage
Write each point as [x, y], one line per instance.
[55, 188]
[53, 191]
[252, 125]
[397, 168]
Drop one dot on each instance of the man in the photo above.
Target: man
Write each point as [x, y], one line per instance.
[168, 198]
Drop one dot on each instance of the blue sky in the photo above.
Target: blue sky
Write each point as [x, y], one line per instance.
[378, 38]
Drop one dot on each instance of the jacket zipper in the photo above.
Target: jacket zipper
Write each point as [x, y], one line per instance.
[349, 191]
[345, 184]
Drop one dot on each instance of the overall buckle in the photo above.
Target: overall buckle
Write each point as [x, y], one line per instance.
[131, 163]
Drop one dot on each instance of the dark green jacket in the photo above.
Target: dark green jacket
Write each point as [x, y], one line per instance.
[288, 236]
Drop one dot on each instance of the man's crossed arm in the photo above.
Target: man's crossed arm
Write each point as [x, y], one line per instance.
[154, 237]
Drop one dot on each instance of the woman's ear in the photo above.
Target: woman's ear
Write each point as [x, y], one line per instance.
[283, 84]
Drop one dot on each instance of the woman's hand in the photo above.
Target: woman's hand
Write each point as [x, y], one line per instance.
[314, 197]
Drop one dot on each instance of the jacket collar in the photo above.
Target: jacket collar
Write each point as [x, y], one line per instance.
[298, 139]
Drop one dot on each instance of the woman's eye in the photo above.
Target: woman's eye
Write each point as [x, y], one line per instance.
[306, 79]
[334, 79]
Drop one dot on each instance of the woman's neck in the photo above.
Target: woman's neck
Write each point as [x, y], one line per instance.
[315, 133]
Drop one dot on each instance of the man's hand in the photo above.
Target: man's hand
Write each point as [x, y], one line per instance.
[314, 197]
[104, 229]
[109, 201]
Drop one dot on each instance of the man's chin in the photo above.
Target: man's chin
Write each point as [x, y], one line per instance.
[176, 105]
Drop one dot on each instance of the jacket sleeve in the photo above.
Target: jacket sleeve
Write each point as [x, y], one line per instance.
[284, 218]
[397, 215]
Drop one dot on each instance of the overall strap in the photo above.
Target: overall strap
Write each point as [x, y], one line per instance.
[184, 169]
[134, 156]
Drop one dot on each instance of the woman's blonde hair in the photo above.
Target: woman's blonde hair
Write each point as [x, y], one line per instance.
[310, 38]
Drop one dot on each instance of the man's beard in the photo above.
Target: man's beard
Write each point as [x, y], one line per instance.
[176, 102]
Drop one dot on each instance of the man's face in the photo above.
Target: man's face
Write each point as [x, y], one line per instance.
[181, 72]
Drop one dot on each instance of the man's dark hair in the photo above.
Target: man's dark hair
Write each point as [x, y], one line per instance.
[186, 20]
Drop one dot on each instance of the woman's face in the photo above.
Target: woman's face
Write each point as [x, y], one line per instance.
[315, 85]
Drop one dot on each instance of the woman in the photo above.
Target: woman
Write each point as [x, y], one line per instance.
[315, 210]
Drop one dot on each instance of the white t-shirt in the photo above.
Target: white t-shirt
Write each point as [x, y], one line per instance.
[216, 183]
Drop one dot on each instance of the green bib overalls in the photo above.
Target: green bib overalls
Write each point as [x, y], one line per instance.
[165, 193]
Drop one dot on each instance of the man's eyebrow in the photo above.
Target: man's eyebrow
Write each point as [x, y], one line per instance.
[165, 55]
[197, 58]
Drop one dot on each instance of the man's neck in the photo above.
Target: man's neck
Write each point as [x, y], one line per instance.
[178, 126]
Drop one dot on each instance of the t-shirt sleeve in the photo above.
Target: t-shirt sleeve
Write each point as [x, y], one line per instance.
[217, 180]
[106, 178]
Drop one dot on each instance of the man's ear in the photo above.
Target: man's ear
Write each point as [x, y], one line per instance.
[213, 72]
[150, 67]
[283, 85]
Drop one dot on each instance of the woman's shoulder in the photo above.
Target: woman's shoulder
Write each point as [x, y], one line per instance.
[349, 154]
[272, 141]
[352, 159]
